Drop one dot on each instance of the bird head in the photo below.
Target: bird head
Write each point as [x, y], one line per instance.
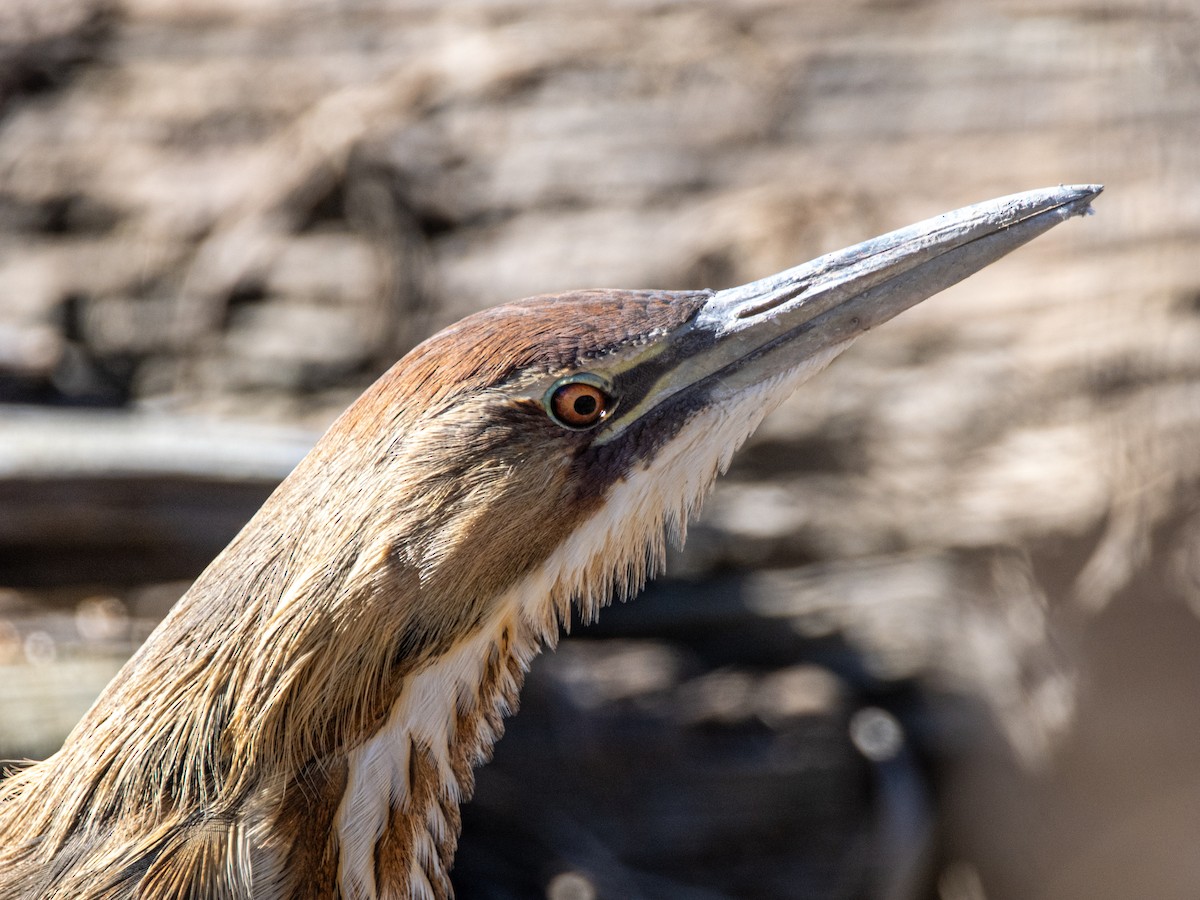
[592, 423]
[310, 712]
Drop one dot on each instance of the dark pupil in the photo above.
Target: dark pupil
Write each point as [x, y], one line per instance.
[585, 405]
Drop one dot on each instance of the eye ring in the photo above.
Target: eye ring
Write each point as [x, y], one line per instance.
[578, 402]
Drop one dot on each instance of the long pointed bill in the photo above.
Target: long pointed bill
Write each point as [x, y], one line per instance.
[808, 314]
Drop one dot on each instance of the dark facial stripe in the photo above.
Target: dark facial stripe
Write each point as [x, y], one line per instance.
[632, 386]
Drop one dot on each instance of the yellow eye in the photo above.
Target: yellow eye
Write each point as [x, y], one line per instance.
[577, 404]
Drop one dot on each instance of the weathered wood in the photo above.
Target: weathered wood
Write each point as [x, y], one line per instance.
[110, 498]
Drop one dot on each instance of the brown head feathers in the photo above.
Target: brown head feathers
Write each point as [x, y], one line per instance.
[391, 544]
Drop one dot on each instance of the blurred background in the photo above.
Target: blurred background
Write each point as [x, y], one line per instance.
[936, 634]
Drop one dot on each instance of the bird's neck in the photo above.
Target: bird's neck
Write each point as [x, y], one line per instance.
[305, 721]
[306, 762]
[398, 821]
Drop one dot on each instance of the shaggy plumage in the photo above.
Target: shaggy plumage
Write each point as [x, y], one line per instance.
[304, 723]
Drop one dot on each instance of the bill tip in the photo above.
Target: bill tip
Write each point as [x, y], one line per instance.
[1080, 203]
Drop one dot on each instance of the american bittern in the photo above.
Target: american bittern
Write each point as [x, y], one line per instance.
[304, 722]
